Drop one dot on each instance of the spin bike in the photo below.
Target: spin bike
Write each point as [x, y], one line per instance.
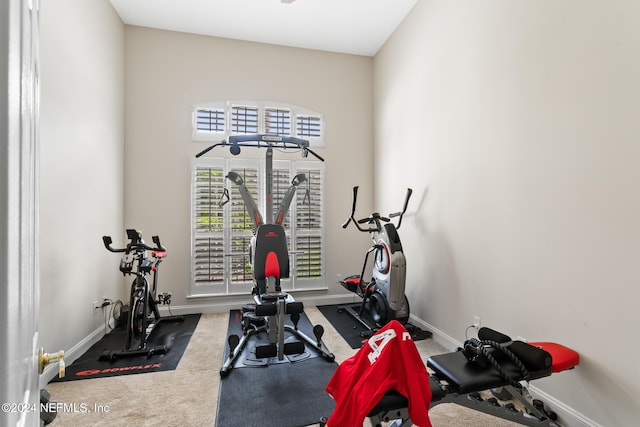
[143, 314]
[269, 258]
[383, 298]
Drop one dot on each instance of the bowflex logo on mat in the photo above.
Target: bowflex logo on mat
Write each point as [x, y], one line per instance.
[90, 372]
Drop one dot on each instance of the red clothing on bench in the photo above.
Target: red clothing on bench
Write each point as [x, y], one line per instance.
[389, 360]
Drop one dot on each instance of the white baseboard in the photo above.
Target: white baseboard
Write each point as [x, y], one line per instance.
[73, 353]
[567, 416]
[440, 337]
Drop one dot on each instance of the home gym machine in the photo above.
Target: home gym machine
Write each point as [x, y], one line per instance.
[383, 298]
[143, 314]
[269, 259]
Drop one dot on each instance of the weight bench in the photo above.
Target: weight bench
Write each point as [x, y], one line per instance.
[457, 379]
[460, 376]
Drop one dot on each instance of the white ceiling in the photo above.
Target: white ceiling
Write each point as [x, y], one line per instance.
[357, 27]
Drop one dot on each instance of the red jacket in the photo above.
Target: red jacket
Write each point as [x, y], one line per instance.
[389, 360]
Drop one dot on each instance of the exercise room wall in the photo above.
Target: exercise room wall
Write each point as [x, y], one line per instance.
[168, 72]
[516, 125]
[81, 165]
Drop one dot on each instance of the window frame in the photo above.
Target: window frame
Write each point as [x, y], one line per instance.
[296, 113]
[227, 286]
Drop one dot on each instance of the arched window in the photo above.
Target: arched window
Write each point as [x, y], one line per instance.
[221, 234]
[215, 121]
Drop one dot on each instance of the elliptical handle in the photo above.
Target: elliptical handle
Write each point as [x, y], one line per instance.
[404, 209]
[355, 198]
[353, 209]
[406, 200]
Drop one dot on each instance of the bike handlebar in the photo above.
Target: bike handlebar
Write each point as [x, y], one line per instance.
[135, 244]
[107, 244]
[263, 141]
[159, 246]
[375, 217]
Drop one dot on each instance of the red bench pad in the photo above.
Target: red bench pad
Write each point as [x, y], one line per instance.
[562, 357]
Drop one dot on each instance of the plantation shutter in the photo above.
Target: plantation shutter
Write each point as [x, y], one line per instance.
[308, 126]
[210, 120]
[222, 234]
[216, 121]
[242, 227]
[277, 121]
[309, 220]
[281, 183]
[208, 251]
[244, 119]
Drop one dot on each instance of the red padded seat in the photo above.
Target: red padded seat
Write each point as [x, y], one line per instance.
[562, 357]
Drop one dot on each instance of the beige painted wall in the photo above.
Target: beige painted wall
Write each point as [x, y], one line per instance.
[168, 72]
[81, 165]
[516, 124]
[513, 123]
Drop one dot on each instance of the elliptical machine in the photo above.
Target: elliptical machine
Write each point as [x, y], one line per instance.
[383, 298]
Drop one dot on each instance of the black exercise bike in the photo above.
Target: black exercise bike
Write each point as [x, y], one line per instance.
[142, 314]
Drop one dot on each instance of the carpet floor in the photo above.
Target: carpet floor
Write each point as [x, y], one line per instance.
[188, 395]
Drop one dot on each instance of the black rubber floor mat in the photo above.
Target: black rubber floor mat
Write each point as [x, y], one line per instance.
[352, 330]
[175, 335]
[284, 395]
